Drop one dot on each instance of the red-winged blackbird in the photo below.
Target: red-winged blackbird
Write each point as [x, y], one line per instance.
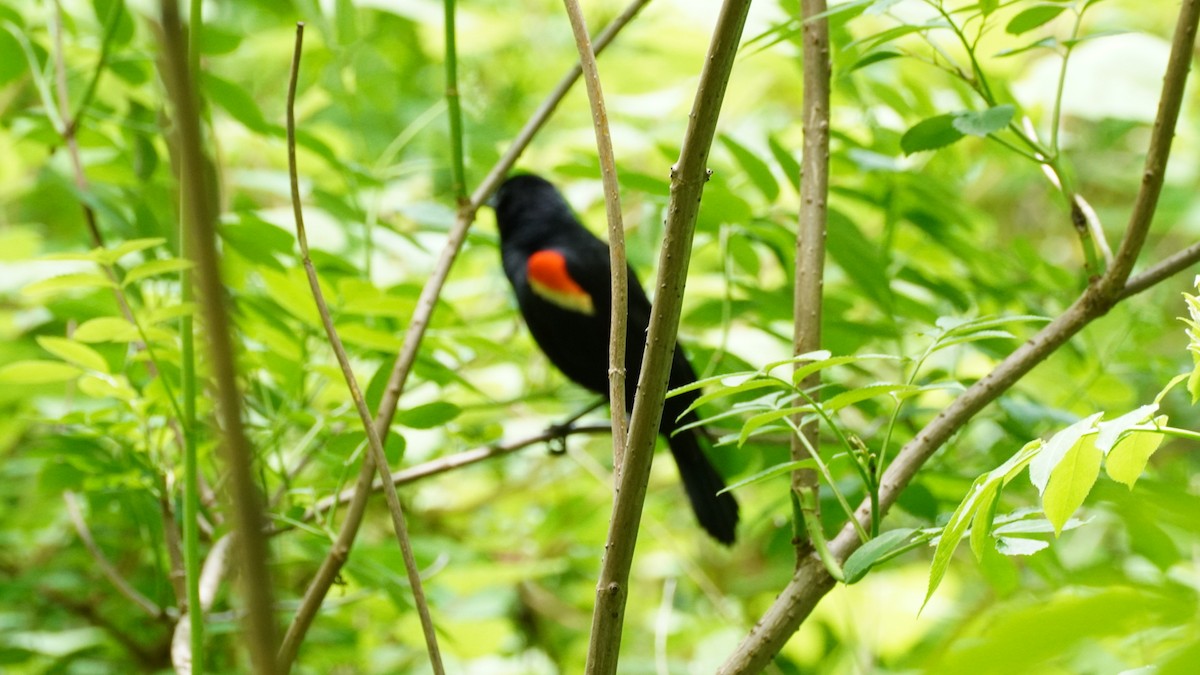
[561, 275]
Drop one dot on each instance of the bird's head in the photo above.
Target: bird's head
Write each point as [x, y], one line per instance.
[528, 202]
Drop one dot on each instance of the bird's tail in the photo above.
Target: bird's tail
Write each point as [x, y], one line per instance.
[718, 514]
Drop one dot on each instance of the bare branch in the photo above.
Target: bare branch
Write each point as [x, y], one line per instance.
[687, 185]
[619, 269]
[201, 221]
[106, 568]
[312, 600]
[810, 242]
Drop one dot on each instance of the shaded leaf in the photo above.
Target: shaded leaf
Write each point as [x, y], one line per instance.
[862, 560]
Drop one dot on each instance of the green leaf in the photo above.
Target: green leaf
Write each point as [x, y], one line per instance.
[783, 157]
[1044, 43]
[771, 472]
[763, 419]
[952, 534]
[853, 396]
[871, 59]
[1071, 481]
[1127, 460]
[1033, 17]
[1055, 449]
[981, 524]
[38, 372]
[1011, 546]
[74, 352]
[756, 169]
[123, 249]
[1111, 430]
[103, 386]
[861, 561]
[68, 282]
[986, 7]
[235, 101]
[984, 122]
[152, 268]
[106, 329]
[428, 416]
[930, 134]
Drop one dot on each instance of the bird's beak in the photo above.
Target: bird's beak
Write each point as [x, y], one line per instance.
[491, 200]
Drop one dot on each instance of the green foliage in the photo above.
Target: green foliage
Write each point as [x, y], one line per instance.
[940, 264]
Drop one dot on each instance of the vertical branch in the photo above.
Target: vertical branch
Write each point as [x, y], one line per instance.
[295, 633]
[810, 245]
[687, 185]
[459, 187]
[187, 375]
[201, 228]
[619, 269]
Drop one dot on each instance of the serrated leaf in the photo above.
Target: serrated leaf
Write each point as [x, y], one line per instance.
[1071, 481]
[984, 122]
[1127, 460]
[1111, 430]
[106, 329]
[153, 268]
[1032, 18]
[1057, 447]
[38, 372]
[68, 282]
[930, 134]
[862, 560]
[428, 416]
[74, 352]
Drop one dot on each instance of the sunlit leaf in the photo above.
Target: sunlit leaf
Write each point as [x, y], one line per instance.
[1033, 17]
[1070, 481]
[427, 416]
[38, 372]
[74, 352]
[1127, 460]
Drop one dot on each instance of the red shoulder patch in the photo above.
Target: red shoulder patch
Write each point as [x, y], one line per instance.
[549, 278]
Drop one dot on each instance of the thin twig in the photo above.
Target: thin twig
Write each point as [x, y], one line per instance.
[308, 611]
[454, 107]
[810, 249]
[811, 581]
[452, 462]
[1165, 268]
[201, 220]
[106, 568]
[619, 269]
[687, 185]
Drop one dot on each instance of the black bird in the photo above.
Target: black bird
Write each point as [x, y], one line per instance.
[560, 273]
